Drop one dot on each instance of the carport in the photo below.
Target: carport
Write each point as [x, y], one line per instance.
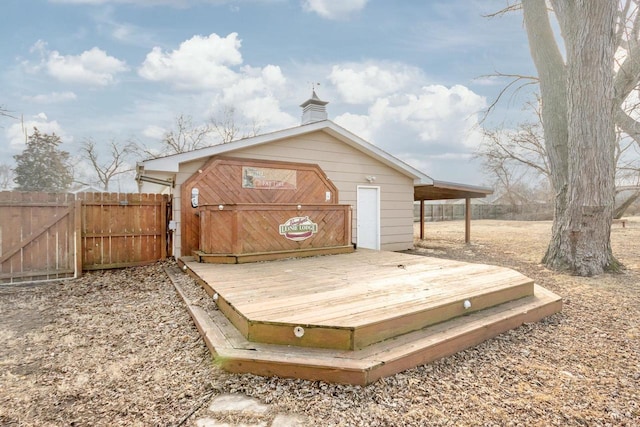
[441, 190]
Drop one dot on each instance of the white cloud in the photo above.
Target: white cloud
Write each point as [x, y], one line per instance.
[362, 83]
[15, 133]
[488, 81]
[199, 63]
[359, 124]
[176, 3]
[332, 9]
[51, 98]
[154, 132]
[211, 66]
[421, 127]
[92, 67]
[254, 96]
[124, 32]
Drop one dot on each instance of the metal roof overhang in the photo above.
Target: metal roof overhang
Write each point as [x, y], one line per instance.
[441, 190]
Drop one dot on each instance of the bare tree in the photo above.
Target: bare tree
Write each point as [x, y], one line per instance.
[517, 157]
[226, 125]
[184, 137]
[506, 151]
[6, 176]
[116, 162]
[627, 157]
[514, 159]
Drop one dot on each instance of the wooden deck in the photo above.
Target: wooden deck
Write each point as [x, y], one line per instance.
[354, 318]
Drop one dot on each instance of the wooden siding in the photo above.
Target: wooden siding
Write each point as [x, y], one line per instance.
[220, 182]
[254, 228]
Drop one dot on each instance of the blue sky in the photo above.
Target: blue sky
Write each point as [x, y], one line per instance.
[404, 75]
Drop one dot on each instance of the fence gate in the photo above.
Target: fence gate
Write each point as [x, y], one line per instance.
[37, 236]
[123, 230]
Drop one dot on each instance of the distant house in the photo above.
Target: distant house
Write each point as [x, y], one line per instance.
[380, 188]
[87, 189]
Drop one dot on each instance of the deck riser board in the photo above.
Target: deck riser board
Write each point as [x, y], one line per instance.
[354, 338]
[389, 328]
[380, 362]
[270, 256]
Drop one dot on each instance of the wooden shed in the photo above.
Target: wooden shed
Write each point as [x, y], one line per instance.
[330, 166]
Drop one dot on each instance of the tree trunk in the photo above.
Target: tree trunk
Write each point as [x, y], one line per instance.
[578, 124]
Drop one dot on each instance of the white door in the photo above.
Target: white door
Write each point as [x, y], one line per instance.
[368, 217]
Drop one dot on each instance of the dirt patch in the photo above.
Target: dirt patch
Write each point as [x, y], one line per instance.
[118, 348]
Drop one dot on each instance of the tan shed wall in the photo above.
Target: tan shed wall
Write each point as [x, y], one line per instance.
[346, 167]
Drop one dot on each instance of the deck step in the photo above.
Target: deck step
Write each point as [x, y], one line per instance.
[351, 301]
[237, 354]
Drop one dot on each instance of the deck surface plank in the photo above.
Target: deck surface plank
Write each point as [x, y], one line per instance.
[351, 290]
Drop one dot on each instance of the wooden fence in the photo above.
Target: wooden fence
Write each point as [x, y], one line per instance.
[52, 236]
[37, 236]
[449, 211]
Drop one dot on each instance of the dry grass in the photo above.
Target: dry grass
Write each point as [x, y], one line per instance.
[118, 348]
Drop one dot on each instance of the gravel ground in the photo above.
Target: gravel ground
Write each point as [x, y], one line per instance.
[118, 348]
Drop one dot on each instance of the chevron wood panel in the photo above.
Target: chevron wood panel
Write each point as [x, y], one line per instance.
[220, 181]
[249, 228]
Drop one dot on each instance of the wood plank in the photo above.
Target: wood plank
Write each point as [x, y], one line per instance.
[317, 337]
[371, 310]
[384, 328]
[77, 237]
[54, 273]
[33, 235]
[356, 297]
[243, 361]
[464, 333]
[123, 229]
[382, 359]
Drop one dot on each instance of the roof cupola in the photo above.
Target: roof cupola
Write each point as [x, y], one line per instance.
[314, 109]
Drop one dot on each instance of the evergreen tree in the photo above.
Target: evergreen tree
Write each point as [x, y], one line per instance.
[42, 166]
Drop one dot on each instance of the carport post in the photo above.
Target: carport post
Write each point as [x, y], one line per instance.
[422, 219]
[467, 220]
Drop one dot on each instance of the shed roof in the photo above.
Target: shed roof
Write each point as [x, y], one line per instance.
[441, 190]
[425, 188]
[172, 162]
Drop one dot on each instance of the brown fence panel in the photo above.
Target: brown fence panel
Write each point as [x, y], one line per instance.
[123, 230]
[37, 236]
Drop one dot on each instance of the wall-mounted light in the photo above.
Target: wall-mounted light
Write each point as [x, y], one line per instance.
[194, 197]
[370, 178]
